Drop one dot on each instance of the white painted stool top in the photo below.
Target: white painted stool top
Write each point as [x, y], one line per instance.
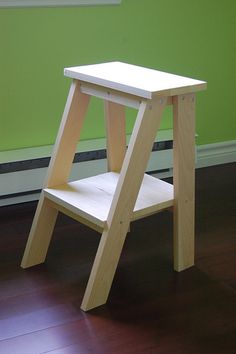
[135, 80]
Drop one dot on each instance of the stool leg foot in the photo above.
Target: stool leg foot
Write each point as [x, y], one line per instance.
[104, 267]
[40, 234]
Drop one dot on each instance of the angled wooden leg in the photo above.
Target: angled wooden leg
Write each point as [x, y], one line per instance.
[68, 136]
[40, 234]
[116, 136]
[184, 177]
[131, 176]
[58, 172]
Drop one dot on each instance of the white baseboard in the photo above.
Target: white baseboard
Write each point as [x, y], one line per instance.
[216, 154]
[27, 181]
[23, 186]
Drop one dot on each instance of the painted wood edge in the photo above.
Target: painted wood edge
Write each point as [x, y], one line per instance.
[55, 3]
[109, 84]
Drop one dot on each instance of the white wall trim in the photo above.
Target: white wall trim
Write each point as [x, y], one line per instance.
[54, 3]
[25, 181]
[84, 145]
[32, 180]
[216, 154]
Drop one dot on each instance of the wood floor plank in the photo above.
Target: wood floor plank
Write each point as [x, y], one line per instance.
[189, 312]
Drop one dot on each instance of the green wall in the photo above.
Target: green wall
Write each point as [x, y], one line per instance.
[187, 37]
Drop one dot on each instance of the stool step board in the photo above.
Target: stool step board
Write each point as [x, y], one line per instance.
[91, 198]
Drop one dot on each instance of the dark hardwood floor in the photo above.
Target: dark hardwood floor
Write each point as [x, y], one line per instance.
[151, 308]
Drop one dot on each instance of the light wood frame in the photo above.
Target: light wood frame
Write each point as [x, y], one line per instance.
[130, 164]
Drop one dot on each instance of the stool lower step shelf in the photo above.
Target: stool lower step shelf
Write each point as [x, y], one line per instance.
[90, 198]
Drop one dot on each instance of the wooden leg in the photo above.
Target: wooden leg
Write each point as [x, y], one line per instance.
[68, 136]
[135, 162]
[184, 177]
[58, 172]
[116, 136]
[40, 234]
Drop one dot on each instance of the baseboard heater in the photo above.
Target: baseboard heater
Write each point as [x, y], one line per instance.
[22, 172]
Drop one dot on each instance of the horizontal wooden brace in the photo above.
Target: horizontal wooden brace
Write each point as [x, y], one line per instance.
[114, 96]
[111, 95]
[76, 217]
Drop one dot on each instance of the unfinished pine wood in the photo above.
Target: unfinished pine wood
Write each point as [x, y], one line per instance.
[110, 95]
[40, 234]
[75, 216]
[135, 80]
[91, 198]
[109, 202]
[131, 176]
[116, 135]
[115, 96]
[58, 172]
[184, 176]
[68, 136]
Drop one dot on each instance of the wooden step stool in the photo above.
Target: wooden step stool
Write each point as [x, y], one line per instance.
[110, 201]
